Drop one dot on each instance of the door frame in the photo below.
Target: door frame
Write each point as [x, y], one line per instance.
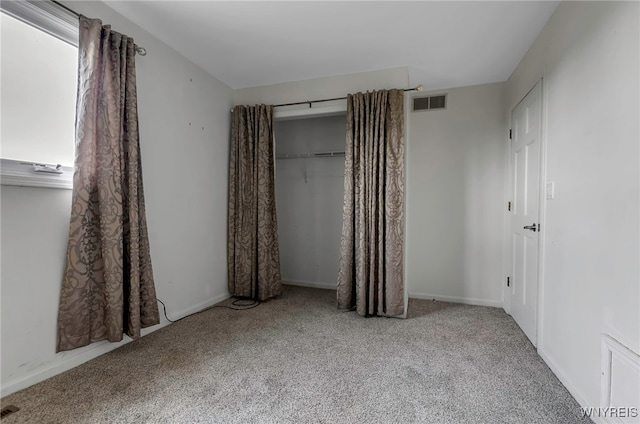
[542, 208]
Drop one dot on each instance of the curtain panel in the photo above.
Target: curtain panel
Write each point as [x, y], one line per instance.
[252, 237]
[108, 286]
[370, 276]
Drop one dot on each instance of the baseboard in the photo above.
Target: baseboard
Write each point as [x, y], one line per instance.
[562, 376]
[197, 307]
[71, 359]
[315, 285]
[455, 299]
[452, 299]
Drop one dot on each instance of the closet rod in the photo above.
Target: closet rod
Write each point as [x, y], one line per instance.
[310, 102]
[311, 155]
[140, 50]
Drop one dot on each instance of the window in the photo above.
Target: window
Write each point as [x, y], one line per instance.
[39, 83]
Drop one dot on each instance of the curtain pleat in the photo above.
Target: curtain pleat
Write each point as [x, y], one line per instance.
[108, 287]
[252, 237]
[370, 275]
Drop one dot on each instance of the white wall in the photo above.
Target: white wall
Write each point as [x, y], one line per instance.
[309, 198]
[455, 186]
[184, 130]
[323, 88]
[320, 88]
[588, 55]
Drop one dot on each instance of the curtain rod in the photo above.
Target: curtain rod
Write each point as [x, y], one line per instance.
[140, 50]
[309, 102]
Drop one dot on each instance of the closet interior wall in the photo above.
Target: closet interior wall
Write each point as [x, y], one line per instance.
[309, 197]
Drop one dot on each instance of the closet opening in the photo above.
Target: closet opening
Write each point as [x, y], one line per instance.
[309, 197]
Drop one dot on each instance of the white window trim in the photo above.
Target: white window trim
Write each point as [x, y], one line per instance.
[62, 24]
[46, 16]
[24, 174]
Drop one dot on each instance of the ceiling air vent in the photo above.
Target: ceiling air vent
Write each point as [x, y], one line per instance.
[438, 101]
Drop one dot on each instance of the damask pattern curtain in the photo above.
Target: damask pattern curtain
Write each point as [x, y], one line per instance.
[370, 273]
[252, 237]
[108, 286]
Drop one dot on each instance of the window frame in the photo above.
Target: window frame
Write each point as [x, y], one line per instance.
[62, 24]
[46, 16]
[22, 174]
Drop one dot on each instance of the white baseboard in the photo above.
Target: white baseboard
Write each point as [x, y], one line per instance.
[312, 284]
[562, 376]
[197, 307]
[452, 299]
[71, 359]
[455, 299]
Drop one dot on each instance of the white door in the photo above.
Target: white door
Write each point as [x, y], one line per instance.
[526, 127]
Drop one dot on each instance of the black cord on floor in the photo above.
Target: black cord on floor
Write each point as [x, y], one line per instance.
[238, 302]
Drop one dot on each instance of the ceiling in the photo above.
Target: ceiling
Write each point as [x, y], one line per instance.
[443, 43]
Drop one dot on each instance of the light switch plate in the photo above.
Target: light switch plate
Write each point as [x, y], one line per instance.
[550, 190]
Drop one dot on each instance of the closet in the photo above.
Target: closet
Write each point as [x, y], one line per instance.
[309, 197]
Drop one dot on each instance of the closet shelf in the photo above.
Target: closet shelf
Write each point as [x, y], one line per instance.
[311, 155]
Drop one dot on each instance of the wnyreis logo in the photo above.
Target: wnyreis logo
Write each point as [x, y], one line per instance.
[610, 412]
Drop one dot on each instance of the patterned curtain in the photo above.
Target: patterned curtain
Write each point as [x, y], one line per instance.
[371, 253]
[252, 238]
[108, 287]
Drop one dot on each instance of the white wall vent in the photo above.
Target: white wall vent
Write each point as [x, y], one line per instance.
[620, 383]
[438, 101]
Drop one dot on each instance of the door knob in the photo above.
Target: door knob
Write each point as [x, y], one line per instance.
[531, 227]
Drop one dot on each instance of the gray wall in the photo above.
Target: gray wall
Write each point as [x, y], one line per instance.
[588, 57]
[455, 182]
[309, 194]
[455, 192]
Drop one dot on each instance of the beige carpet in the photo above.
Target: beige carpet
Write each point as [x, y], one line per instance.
[297, 359]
